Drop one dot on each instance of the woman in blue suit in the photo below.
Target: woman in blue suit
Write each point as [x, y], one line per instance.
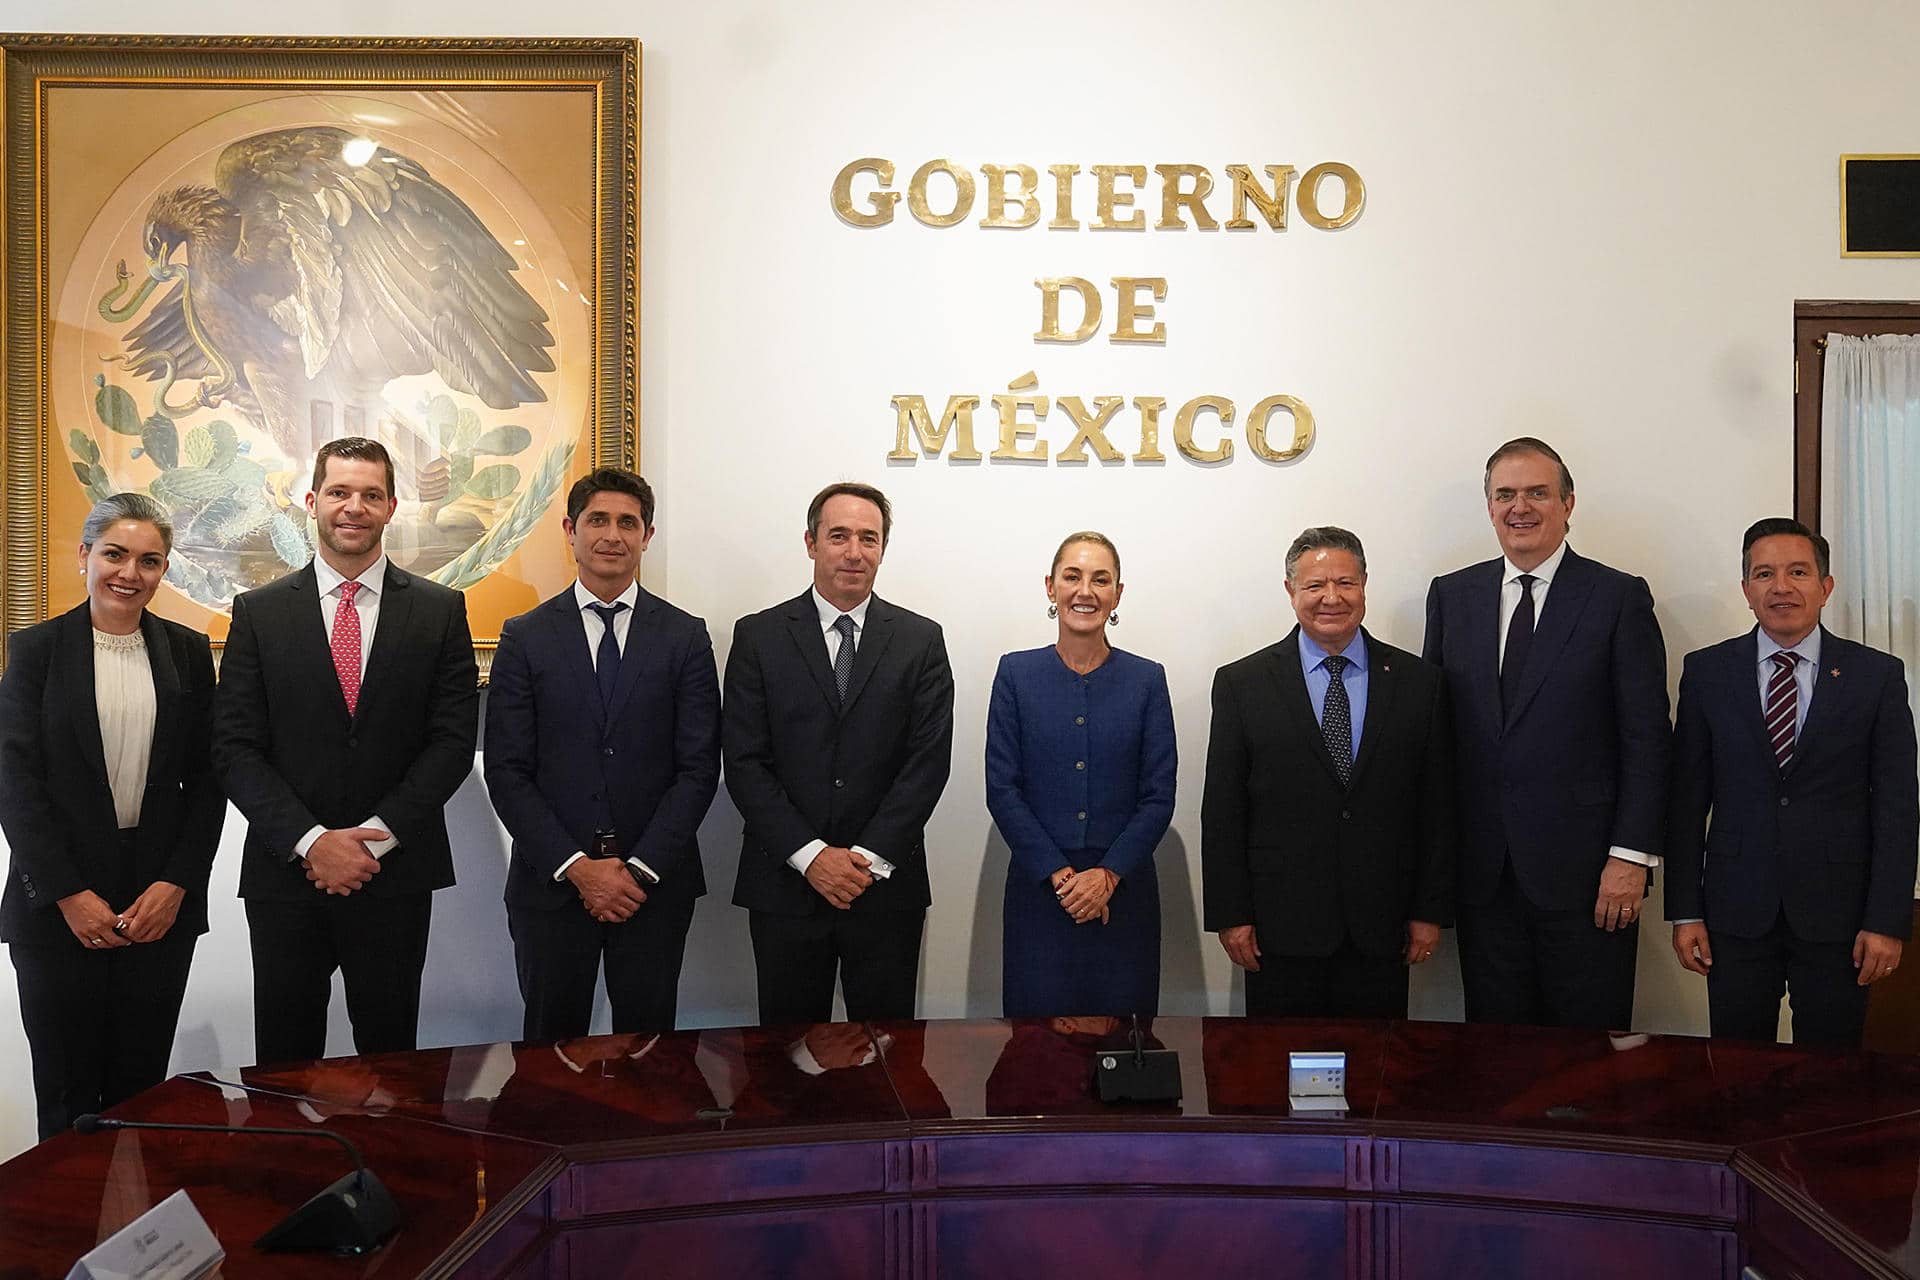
[111, 808]
[1080, 778]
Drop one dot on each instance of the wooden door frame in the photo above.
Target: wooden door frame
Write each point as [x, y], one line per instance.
[1812, 322]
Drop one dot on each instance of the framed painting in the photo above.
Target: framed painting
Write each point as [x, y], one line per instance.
[222, 251]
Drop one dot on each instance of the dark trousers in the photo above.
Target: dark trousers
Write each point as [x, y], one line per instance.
[379, 945]
[557, 955]
[1346, 984]
[1749, 976]
[100, 1023]
[876, 954]
[1521, 963]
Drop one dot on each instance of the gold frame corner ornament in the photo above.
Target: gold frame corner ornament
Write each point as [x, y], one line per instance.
[30, 63]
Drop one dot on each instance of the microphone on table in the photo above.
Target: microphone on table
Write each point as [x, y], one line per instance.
[1142, 1075]
[354, 1214]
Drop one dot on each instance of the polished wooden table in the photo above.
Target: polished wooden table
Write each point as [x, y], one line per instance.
[923, 1149]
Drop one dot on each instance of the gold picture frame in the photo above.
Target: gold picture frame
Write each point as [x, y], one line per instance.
[432, 241]
[1847, 231]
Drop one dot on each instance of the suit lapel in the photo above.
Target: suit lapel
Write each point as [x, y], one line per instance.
[874, 638]
[1382, 683]
[1296, 704]
[308, 635]
[166, 699]
[1566, 601]
[640, 652]
[803, 625]
[76, 646]
[389, 639]
[1745, 680]
[1828, 688]
[566, 627]
[1483, 641]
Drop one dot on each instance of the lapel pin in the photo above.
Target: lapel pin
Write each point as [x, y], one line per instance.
[1834, 672]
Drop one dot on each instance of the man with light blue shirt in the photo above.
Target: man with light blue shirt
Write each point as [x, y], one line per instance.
[1327, 832]
[1800, 745]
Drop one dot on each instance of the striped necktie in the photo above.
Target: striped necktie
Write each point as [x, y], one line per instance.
[1783, 697]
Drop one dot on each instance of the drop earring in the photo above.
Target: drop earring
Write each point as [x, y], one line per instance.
[1053, 610]
[1113, 619]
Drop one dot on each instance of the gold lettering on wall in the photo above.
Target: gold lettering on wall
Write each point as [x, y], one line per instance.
[998, 198]
[1128, 310]
[1356, 196]
[1049, 330]
[1109, 199]
[962, 193]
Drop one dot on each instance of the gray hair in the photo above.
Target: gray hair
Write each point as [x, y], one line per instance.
[1527, 444]
[1326, 537]
[114, 508]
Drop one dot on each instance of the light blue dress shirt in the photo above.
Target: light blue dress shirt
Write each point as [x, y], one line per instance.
[1313, 665]
[1804, 673]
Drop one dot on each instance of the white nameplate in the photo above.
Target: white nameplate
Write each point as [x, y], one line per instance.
[170, 1241]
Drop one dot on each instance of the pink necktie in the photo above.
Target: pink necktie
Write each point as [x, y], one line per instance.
[346, 645]
[1782, 705]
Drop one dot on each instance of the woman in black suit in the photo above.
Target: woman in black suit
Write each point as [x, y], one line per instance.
[112, 811]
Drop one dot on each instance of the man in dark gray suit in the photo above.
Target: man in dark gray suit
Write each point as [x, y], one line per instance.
[837, 734]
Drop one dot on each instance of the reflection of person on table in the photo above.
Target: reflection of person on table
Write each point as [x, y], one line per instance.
[1080, 781]
[111, 807]
[1047, 1065]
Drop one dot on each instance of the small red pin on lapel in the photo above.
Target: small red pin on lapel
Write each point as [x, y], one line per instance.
[1385, 667]
[1834, 672]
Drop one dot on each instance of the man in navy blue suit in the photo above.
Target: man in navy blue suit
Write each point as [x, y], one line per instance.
[1801, 747]
[1559, 683]
[602, 755]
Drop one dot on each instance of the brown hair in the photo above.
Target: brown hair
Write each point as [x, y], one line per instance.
[610, 480]
[358, 448]
[1087, 535]
[851, 489]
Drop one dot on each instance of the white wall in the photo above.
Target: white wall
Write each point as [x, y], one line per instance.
[1588, 222]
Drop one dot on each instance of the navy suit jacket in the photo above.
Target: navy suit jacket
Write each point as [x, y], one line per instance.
[1286, 848]
[801, 766]
[1579, 763]
[555, 754]
[1831, 840]
[55, 802]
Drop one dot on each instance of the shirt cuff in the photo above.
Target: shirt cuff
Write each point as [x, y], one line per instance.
[305, 842]
[381, 848]
[647, 873]
[561, 874]
[880, 867]
[797, 1052]
[802, 858]
[1634, 856]
[1688, 920]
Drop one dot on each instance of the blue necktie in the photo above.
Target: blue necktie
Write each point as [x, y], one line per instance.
[606, 663]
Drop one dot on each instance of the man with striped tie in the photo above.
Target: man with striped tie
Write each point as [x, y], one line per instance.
[1794, 818]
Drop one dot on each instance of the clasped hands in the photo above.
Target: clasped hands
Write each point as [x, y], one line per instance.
[99, 928]
[839, 875]
[339, 861]
[1084, 894]
[608, 892]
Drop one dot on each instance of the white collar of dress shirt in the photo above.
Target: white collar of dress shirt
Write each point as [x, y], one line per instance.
[583, 598]
[1312, 655]
[1808, 648]
[829, 614]
[1542, 572]
[328, 578]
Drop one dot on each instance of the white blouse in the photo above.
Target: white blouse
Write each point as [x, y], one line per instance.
[123, 693]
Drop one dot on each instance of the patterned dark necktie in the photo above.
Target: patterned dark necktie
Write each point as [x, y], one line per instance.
[843, 660]
[606, 662]
[1783, 699]
[1336, 720]
[1519, 640]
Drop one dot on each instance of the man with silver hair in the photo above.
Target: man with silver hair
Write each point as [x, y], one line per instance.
[1327, 837]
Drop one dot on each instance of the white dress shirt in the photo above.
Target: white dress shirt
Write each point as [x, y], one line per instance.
[1510, 589]
[367, 604]
[585, 601]
[802, 858]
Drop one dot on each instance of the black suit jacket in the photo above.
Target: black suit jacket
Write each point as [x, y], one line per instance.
[1286, 848]
[55, 803]
[1579, 763]
[801, 768]
[1831, 839]
[555, 755]
[292, 758]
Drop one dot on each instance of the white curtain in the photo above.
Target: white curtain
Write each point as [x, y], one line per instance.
[1870, 493]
